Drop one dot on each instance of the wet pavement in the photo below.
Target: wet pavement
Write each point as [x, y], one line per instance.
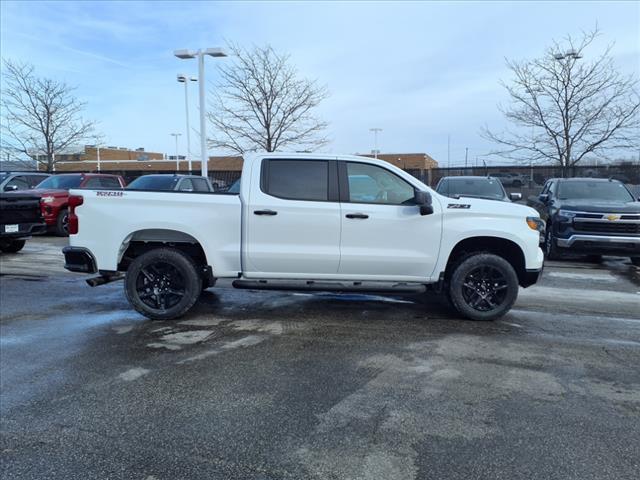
[270, 385]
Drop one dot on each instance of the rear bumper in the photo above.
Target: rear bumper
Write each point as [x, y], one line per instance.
[601, 244]
[78, 259]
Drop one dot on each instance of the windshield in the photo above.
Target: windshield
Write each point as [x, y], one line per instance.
[62, 182]
[154, 182]
[489, 188]
[611, 191]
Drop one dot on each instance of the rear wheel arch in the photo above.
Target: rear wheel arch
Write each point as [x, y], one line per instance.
[144, 240]
[502, 247]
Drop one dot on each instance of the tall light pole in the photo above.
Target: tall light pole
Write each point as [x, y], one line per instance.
[182, 78]
[212, 52]
[375, 131]
[176, 135]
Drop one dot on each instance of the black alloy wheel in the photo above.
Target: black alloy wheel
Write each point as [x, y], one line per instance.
[160, 285]
[163, 283]
[485, 288]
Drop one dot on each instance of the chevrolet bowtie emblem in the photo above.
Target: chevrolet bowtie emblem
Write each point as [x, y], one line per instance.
[613, 218]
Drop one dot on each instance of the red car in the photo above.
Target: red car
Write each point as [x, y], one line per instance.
[54, 194]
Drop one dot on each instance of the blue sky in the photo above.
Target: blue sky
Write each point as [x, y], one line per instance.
[418, 70]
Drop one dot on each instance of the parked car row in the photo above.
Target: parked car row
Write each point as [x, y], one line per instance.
[51, 193]
[588, 216]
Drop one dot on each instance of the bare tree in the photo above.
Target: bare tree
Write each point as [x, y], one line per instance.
[261, 103]
[568, 107]
[40, 116]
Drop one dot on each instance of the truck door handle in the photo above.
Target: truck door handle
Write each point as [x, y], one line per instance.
[265, 212]
[357, 215]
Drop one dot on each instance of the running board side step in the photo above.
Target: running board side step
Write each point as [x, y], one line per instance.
[330, 286]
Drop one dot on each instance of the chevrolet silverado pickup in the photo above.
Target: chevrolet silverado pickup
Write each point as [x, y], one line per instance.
[592, 216]
[306, 222]
[20, 217]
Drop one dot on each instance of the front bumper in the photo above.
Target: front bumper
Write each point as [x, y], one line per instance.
[79, 259]
[24, 230]
[601, 244]
[531, 277]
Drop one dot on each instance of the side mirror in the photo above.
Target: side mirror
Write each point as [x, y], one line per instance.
[544, 198]
[11, 188]
[514, 197]
[423, 200]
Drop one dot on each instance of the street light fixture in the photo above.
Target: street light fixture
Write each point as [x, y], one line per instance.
[375, 131]
[199, 54]
[182, 78]
[176, 135]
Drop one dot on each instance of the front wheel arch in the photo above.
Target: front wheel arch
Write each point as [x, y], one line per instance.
[501, 247]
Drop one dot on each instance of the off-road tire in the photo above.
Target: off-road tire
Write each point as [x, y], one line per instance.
[13, 246]
[188, 278]
[458, 291]
[62, 223]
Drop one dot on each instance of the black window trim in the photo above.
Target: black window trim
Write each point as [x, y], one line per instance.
[343, 180]
[332, 178]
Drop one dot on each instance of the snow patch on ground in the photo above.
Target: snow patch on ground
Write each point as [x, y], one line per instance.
[590, 276]
[175, 341]
[203, 322]
[133, 374]
[121, 330]
[244, 342]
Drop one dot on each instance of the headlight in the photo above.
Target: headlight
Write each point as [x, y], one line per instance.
[535, 224]
[566, 213]
[47, 199]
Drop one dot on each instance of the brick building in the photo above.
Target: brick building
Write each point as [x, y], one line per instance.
[118, 159]
[406, 161]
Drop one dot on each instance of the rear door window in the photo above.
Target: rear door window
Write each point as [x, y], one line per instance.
[296, 179]
[109, 182]
[93, 183]
[200, 184]
[186, 185]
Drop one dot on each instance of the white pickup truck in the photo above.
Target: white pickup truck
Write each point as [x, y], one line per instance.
[306, 222]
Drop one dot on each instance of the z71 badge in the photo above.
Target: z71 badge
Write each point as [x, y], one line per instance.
[458, 205]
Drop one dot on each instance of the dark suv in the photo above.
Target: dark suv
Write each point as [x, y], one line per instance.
[590, 216]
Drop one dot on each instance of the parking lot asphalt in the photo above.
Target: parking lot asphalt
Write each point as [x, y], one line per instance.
[270, 385]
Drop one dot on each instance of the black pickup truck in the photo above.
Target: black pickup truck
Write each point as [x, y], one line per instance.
[591, 216]
[20, 217]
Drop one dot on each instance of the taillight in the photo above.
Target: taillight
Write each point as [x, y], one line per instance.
[74, 201]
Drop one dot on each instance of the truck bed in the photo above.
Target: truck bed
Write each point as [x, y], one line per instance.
[119, 217]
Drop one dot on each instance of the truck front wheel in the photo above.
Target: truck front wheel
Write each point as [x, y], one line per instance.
[483, 286]
[162, 284]
[62, 223]
[13, 246]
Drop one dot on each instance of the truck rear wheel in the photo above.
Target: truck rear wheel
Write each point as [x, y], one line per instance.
[483, 287]
[162, 284]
